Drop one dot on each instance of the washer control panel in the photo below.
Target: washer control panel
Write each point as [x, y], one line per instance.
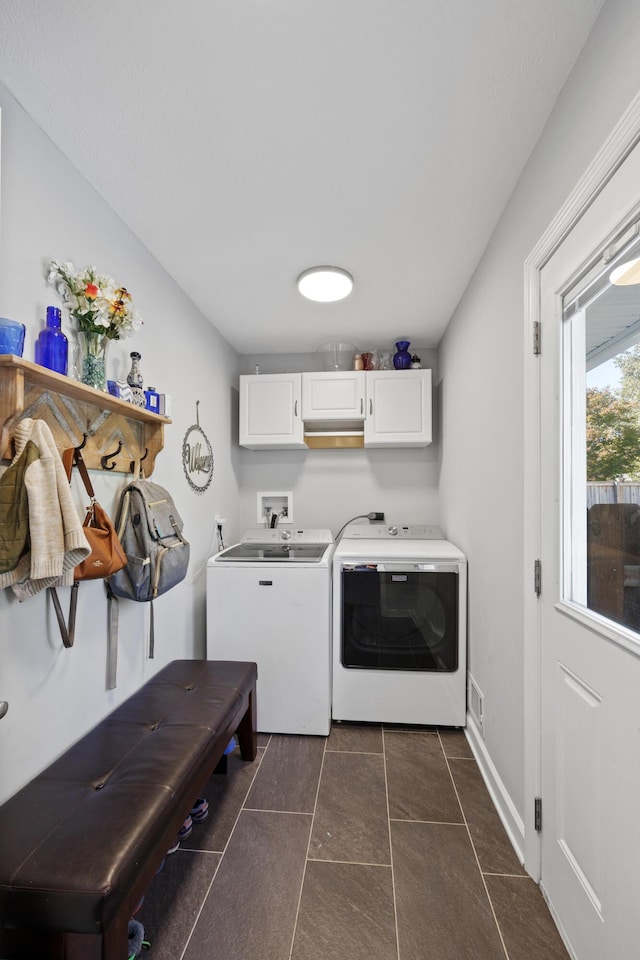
[383, 531]
[277, 535]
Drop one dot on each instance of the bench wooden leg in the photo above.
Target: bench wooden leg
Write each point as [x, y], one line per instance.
[221, 766]
[246, 732]
[115, 941]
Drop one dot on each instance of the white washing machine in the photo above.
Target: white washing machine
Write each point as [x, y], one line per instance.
[269, 600]
[399, 626]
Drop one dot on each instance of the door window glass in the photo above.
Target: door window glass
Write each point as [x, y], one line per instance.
[601, 387]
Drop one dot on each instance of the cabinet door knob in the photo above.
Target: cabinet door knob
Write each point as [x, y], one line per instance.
[295, 409]
[361, 405]
[370, 406]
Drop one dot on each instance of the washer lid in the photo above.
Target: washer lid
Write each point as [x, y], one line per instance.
[279, 545]
[273, 553]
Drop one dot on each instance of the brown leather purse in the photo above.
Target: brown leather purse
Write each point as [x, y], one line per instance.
[107, 554]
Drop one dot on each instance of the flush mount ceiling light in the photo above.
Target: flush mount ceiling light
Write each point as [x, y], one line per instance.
[325, 284]
[626, 274]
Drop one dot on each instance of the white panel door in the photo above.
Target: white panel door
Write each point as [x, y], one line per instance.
[333, 396]
[271, 411]
[590, 672]
[398, 408]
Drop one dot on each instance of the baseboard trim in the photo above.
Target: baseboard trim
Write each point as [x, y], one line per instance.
[511, 819]
[556, 920]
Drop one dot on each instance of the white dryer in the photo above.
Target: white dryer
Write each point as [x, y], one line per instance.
[269, 600]
[399, 626]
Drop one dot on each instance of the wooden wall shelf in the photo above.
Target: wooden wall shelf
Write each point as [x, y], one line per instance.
[72, 409]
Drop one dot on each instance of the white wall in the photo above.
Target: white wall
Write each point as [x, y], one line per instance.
[482, 376]
[48, 211]
[330, 487]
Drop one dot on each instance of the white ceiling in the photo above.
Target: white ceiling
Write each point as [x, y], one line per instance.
[245, 140]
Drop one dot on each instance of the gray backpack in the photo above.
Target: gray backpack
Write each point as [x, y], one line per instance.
[149, 528]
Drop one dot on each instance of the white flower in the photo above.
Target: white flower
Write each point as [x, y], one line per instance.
[95, 301]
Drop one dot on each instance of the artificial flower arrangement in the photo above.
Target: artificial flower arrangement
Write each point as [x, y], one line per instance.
[94, 301]
[102, 310]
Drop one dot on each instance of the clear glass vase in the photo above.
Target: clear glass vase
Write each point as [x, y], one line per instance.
[93, 358]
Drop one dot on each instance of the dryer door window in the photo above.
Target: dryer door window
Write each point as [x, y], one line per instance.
[400, 617]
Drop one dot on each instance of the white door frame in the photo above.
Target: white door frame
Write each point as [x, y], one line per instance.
[619, 144]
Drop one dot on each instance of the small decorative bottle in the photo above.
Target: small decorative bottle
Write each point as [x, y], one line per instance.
[152, 398]
[135, 380]
[52, 347]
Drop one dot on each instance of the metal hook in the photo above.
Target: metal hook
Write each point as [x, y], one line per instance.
[111, 456]
[85, 437]
[144, 456]
[197, 413]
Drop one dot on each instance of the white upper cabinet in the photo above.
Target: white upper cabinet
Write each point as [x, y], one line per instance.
[271, 411]
[383, 408]
[398, 408]
[333, 396]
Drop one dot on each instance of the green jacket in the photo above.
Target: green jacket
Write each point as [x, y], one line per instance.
[14, 510]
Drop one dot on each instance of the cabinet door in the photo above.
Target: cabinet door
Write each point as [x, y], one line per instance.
[333, 396]
[270, 411]
[398, 408]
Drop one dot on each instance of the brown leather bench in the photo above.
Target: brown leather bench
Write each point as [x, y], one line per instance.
[80, 844]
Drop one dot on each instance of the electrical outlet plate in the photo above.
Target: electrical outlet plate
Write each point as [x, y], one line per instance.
[278, 502]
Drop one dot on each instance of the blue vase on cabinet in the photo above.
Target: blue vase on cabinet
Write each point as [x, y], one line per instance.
[402, 359]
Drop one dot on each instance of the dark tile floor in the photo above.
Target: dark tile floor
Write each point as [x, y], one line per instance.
[372, 844]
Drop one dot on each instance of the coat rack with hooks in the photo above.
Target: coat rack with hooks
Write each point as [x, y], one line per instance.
[115, 433]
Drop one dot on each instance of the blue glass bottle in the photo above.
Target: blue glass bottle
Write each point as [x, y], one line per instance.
[52, 347]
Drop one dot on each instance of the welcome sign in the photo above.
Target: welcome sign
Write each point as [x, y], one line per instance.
[197, 458]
